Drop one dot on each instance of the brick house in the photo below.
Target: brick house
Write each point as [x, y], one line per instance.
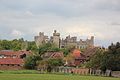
[77, 58]
[11, 64]
[12, 60]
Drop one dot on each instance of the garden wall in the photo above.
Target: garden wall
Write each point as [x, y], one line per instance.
[116, 73]
[10, 67]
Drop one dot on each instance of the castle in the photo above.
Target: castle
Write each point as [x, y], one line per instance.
[63, 43]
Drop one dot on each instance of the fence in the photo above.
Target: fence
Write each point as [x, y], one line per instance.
[81, 71]
[116, 73]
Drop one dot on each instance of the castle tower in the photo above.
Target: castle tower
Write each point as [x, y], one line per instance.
[39, 40]
[92, 41]
[56, 39]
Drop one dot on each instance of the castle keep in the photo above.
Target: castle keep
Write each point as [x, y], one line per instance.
[63, 43]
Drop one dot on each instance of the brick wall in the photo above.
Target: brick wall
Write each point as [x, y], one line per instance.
[10, 67]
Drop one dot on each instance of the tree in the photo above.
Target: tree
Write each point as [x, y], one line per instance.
[50, 64]
[18, 44]
[31, 61]
[32, 46]
[109, 59]
[95, 61]
[55, 62]
[47, 47]
[65, 51]
[113, 57]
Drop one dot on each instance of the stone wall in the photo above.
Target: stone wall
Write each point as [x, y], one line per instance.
[62, 43]
[116, 74]
[82, 71]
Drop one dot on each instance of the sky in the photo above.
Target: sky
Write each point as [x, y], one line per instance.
[81, 18]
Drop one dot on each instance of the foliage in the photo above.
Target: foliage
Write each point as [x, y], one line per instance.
[42, 64]
[50, 64]
[55, 62]
[47, 47]
[18, 44]
[112, 57]
[95, 61]
[31, 61]
[65, 51]
[109, 59]
[5, 45]
[69, 57]
[32, 46]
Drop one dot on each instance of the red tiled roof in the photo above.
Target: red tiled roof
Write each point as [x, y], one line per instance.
[11, 61]
[57, 55]
[76, 53]
[7, 52]
[24, 52]
[53, 55]
[90, 51]
[17, 53]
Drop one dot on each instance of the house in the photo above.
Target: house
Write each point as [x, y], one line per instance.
[89, 52]
[75, 58]
[14, 54]
[12, 60]
[11, 64]
[52, 54]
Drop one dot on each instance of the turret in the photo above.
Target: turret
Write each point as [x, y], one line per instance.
[56, 39]
[92, 40]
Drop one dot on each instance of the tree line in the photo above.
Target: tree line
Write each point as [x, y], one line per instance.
[106, 58]
[17, 44]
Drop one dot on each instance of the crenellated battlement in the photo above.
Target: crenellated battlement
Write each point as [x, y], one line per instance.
[62, 43]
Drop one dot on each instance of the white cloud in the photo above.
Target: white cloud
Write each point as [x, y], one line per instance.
[16, 34]
[26, 18]
[29, 13]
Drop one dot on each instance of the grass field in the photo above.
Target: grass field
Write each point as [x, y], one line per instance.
[34, 75]
[51, 77]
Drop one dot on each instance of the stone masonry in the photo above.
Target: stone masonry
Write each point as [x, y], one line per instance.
[63, 43]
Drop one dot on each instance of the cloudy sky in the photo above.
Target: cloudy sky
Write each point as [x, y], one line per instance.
[82, 18]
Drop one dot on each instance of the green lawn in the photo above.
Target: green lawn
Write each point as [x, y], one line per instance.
[51, 77]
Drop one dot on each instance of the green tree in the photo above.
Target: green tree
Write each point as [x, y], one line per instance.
[32, 46]
[47, 47]
[50, 64]
[55, 62]
[65, 51]
[5, 45]
[95, 61]
[31, 61]
[109, 59]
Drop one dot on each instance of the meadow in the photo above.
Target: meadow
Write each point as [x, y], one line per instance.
[51, 77]
[33, 75]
